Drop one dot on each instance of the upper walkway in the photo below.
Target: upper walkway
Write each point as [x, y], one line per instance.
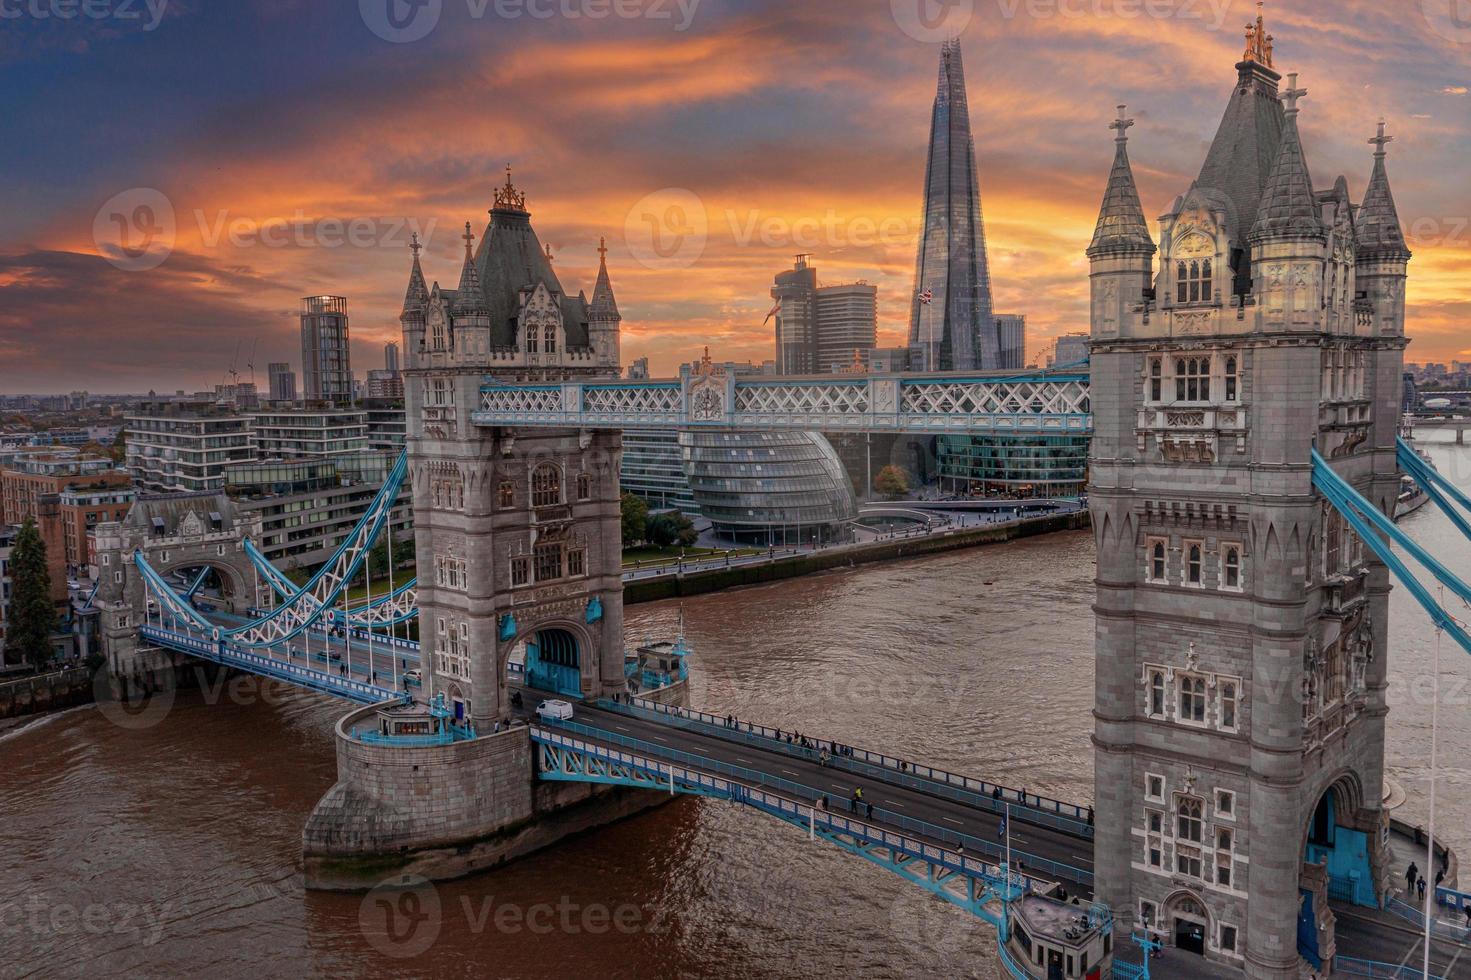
[1025, 403]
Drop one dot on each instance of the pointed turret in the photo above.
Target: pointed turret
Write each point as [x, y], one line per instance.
[1289, 209]
[602, 314]
[1121, 226]
[469, 299]
[603, 305]
[417, 294]
[1379, 232]
[1121, 258]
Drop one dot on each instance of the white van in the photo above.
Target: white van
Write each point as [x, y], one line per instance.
[554, 711]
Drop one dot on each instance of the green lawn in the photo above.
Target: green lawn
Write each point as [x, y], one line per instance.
[650, 554]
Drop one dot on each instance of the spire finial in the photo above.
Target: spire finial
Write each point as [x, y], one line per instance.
[1121, 124]
[1380, 141]
[469, 238]
[414, 245]
[508, 196]
[602, 249]
[1258, 41]
[549, 251]
[1292, 94]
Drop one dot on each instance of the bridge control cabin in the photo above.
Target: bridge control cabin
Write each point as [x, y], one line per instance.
[1055, 940]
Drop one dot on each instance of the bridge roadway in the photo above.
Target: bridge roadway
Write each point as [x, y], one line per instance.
[902, 806]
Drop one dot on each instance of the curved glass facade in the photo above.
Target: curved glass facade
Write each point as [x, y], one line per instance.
[1028, 466]
[768, 487]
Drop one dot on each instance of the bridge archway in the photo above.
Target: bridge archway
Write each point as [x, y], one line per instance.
[557, 658]
[1339, 836]
[1186, 919]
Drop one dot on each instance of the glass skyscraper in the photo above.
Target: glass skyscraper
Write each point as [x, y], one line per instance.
[951, 326]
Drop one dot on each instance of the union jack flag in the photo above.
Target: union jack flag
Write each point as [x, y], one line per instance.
[926, 296]
[774, 311]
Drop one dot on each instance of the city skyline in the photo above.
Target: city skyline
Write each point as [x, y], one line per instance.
[624, 90]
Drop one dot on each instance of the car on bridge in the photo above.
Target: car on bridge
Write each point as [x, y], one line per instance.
[554, 710]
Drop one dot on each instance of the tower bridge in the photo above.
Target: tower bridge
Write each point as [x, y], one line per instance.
[1242, 401]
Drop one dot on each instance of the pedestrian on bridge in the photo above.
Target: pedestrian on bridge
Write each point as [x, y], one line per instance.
[1467, 909]
[868, 812]
[1411, 873]
[1420, 888]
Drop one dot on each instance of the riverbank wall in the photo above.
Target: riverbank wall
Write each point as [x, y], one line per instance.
[713, 580]
[46, 692]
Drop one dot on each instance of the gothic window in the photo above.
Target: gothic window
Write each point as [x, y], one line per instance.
[531, 334]
[436, 331]
[584, 486]
[1156, 381]
[507, 494]
[1333, 539]
[1231, 379]
[1225, 805]
[1156, 561]
[1228, 939]
[1188, 823]
[1223, 870]
[1155, 858]
[1223, 840]
[1192, 699]
[1193, 563]
[1192, 379]
[1156, 822]
[1154, 787]
[551, 338]
[1228, 705]
[1182, 283]
[1205, 281]
[1157, 693]
[520, 571]
[546, 485]
[576, 562]
[548, 562]
[1231, 567]
[1187, 862]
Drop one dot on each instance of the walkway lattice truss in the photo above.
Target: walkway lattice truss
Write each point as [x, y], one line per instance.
[1038, 403]
[397, 606]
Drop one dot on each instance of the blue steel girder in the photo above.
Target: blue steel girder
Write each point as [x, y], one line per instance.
[968, 883]
[1036, 403]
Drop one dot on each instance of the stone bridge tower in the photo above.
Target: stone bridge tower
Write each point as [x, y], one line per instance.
[517, 532]
[1241, 628]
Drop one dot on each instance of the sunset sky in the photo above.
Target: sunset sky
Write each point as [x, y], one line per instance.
[756, 130]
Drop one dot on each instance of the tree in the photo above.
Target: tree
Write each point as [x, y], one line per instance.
[32, 613]
[892, 482]
[635, 518]
[670, 528]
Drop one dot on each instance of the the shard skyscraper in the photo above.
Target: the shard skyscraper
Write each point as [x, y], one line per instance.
[951, 326]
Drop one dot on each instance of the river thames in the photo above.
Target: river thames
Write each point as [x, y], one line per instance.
[170, 844]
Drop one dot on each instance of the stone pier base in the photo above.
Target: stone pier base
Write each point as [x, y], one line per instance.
[445, 811]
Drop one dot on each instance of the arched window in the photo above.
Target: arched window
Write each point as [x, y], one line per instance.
[1157, 693]
[1230, 379]
[1192, 699]
[1205, 281]
[1157, 562]
[546, 485]
[551, 338]
[1180, 379]
[1188, 823]
[1182, 283]
[1228, 705]
[1232, 567]
[531, 338]
[1192, 565]
[1156, 370]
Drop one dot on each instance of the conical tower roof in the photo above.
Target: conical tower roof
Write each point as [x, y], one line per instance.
[603, 305]
[468, 296]
[416, 297]
[1379, 229]
[1289, 208]
[1121, 225]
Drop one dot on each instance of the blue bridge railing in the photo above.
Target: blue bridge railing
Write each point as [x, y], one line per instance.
[1030, 807]
[1353, 967]
[975, 845]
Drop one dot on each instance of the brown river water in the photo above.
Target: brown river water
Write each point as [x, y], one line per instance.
[169, 844]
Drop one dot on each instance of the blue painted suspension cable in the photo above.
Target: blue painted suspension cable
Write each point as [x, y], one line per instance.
[1345, 490]
[1343, 504]
[1433, 483]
